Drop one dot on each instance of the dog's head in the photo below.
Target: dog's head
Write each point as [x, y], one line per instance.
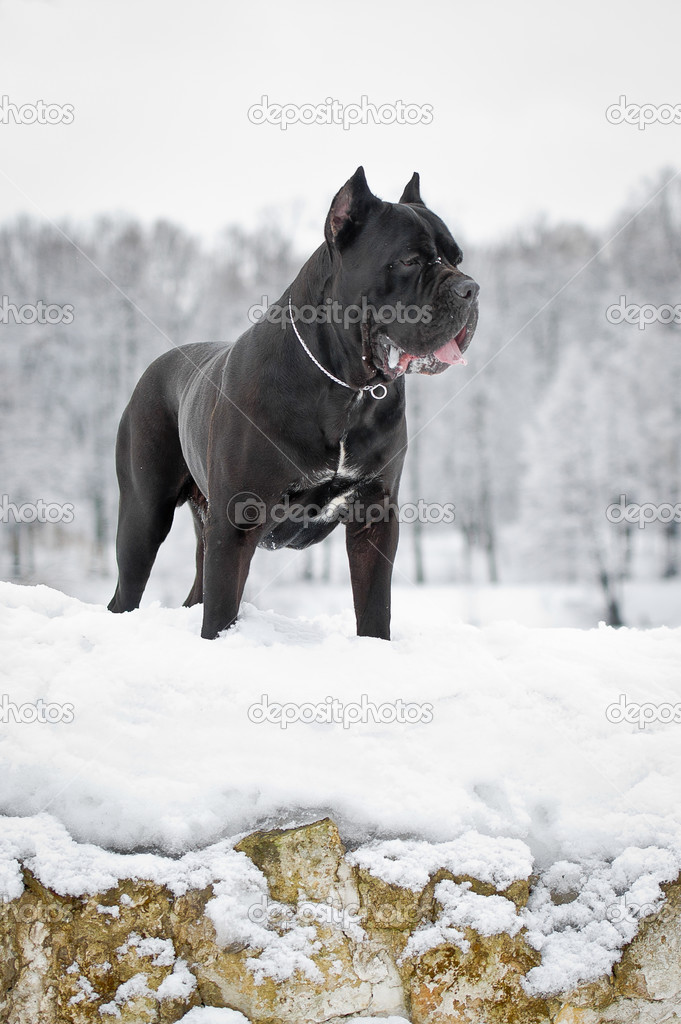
[399, 263]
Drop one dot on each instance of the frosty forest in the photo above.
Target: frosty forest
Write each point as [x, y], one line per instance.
[564, 410]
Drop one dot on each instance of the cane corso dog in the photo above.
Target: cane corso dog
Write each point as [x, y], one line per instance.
[300, 423]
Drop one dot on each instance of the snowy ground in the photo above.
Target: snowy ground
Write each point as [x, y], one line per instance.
[483, 736]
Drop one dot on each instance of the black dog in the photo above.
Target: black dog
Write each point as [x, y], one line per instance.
[308, 417]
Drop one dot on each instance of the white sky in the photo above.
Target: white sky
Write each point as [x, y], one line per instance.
[161, 90]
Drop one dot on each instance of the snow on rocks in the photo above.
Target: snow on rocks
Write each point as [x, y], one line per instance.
[122, 735]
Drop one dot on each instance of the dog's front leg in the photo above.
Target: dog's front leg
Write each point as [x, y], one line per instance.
[371, 541]
[227, 559]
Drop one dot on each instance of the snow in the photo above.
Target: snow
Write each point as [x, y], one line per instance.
[498, 861]
[232, 911]
[178, 985]
[488, 915]
[579, 940]
[214, 1015]
[161, 951]
[112, 911]
[135, 988]
[86, 991]
[149, 765]
[76, 869]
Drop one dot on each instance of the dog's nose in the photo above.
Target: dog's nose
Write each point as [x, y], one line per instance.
[466, 288]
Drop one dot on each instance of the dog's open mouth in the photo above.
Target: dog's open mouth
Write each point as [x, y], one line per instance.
[393, 361]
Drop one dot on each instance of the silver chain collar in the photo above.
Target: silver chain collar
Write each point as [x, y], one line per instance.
[373, 389]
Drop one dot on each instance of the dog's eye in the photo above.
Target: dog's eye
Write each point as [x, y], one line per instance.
[412, 261]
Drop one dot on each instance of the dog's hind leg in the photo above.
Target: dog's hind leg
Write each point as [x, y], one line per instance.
[195, 595]
[151, 474]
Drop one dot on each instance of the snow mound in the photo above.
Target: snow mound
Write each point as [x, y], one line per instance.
[129, 747]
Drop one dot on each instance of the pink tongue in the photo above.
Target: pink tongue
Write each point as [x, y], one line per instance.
[451, 353]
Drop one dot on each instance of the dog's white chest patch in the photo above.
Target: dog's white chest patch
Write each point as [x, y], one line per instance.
[342, 460]
[337, 504]
[345, 468]
[346, 472]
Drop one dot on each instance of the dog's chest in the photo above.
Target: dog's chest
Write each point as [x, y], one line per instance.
[336, 482]
[343, 467]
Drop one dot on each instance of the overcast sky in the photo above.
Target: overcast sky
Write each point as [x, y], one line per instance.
[161, 89]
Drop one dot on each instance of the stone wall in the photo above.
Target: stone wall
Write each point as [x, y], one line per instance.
[136, 953]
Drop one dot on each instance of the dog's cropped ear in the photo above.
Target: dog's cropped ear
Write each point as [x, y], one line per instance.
[411, 192]
[350, 210]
